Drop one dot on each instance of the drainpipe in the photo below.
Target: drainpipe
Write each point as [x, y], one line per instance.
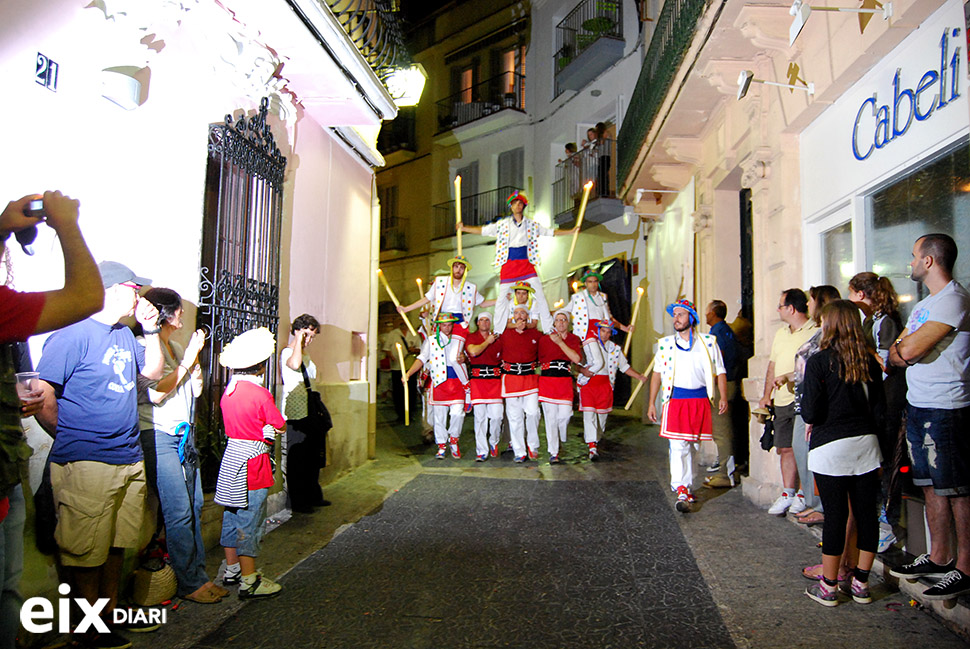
[375, 247]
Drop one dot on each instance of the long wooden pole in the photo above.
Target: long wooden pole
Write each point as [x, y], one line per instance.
[394, 299]
[400, 357]
[458, 211]
[636, 390]
[636, 310]
[420, 288]
[579, 219]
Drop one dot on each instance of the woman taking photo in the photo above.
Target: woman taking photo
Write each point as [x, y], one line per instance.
[166, 413]
[843, 400]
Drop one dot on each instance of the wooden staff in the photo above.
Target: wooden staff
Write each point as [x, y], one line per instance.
[636, 390]
[636, 310]
[400, 357]
[579, 220]
[420, 288]
[387, 286]
[458, 210]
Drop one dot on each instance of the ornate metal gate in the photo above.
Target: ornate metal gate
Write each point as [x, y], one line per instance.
[239, 283]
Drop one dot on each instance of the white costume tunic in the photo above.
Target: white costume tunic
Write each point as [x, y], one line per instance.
[446, 297]
[586, 309]
[596, 396]
[448, 381]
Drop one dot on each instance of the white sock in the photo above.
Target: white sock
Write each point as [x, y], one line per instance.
[789, 493]
[233, 569]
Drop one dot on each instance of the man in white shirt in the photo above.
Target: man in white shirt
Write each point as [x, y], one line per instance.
[452, 295]
[687, 365]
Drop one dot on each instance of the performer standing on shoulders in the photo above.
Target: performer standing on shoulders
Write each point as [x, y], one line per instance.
[522, 296]
[520, 385]
[686, 366]
[484, 354]
[517, 255]
[451, 294]
[596, 391]
[442, 353]
[556, 352]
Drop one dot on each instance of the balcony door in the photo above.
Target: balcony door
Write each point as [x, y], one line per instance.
[469, 187]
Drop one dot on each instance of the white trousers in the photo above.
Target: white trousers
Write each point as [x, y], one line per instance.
[443, 430]
[523, 415]
[503, 306]
[557, 417]
[427, 412]
[488, 426]
[682, 463]
[594, 423]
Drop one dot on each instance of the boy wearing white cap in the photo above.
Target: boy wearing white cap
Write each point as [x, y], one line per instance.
[484, 355]
[252, 422]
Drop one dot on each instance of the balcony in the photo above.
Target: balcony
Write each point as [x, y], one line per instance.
[588, 41]
[671, 39]
[394, 234]
[477, 209]
[494, 104]
[596, 164]
[398, 134]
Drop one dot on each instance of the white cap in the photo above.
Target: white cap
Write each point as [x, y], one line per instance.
[248, 348]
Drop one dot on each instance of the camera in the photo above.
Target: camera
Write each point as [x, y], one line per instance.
[35, 209]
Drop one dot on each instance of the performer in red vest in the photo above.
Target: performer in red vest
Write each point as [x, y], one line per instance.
[484, 353]
[520, 385]
[556, 351]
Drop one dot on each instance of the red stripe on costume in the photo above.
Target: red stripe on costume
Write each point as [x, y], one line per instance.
[688, 420]
[519, 386]
[556, 389]
[516, 269]
[597, 395]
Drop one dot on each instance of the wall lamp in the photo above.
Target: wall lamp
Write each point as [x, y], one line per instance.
[801, 11]
[747, 78]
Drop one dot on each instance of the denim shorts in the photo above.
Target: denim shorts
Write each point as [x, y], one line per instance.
[939, 446]
[242, 527]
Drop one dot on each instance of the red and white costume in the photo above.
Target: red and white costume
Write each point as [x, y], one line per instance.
[596, 396]
[448, 381]
[687, 377]
[520, 387]
[587, 311]
[517, 255]
[556, 387]
[486, 386]
[458, 297]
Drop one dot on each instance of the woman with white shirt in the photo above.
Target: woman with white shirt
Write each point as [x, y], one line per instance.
[842, 398]
[305, 445]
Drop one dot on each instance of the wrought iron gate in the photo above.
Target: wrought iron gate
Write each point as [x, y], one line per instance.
[239, 283]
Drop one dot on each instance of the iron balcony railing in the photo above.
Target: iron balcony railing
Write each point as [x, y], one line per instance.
[485, 98]
[596, 163]
[476, 209]
[668, 46]
[394, 231]
[590, 21]
[398, 134]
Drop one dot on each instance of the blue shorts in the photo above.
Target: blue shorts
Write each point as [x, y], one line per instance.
[939, 446]
[242, 527]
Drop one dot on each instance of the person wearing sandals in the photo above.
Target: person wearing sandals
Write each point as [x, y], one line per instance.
[843, 400]
[246, 473]
[303, 447]
[166, 413]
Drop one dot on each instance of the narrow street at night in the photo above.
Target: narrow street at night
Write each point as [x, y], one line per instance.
[456, 553]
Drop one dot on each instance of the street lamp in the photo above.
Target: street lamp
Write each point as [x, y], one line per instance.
[406, 84]
[802, 11]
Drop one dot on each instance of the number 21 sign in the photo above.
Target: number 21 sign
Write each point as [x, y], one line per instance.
[46, 72]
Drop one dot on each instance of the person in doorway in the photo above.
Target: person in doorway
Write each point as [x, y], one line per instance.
[252, 423]
[797, 329]
[687, 366]
[484, 356]
[723, 429]
[935, 350]
[596, 393]
[517, 255]
[557, 351]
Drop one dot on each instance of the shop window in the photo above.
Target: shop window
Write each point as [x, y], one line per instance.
[935, 197]
[837, 255]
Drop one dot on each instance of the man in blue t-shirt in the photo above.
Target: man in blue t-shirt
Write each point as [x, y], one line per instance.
[88, 373]
[935, 349]
[723, 430]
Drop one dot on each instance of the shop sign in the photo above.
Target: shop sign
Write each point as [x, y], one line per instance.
[877, 125]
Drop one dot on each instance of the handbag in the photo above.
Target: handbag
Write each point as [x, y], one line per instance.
[296, 403]
[316, 410]
[768, 436]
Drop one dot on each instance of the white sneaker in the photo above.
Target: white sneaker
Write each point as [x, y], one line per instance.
[780, 506]
[886, 538]
[798, 504]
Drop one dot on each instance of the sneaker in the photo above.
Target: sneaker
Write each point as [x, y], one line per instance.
[858, 591]
[822, 594]
[494, 450]
[455, 453]
[953, 584]
[922, 567]
[780, 506]
[96, 640]
[684, 499]
[886, 539]
[553, 459]
[797, 505]
[714, 468]
[533, 454]
[260, 588]
[594, 453]
[519, 460]
[442, 449]
[139, 626]
[231, 578]
[479, 458]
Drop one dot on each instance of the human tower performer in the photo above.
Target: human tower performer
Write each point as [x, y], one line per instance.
[484, 356]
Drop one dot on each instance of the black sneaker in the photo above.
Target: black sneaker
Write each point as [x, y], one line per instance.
[96, 640]
[953, 584]
[922, 567]
[231, 579]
